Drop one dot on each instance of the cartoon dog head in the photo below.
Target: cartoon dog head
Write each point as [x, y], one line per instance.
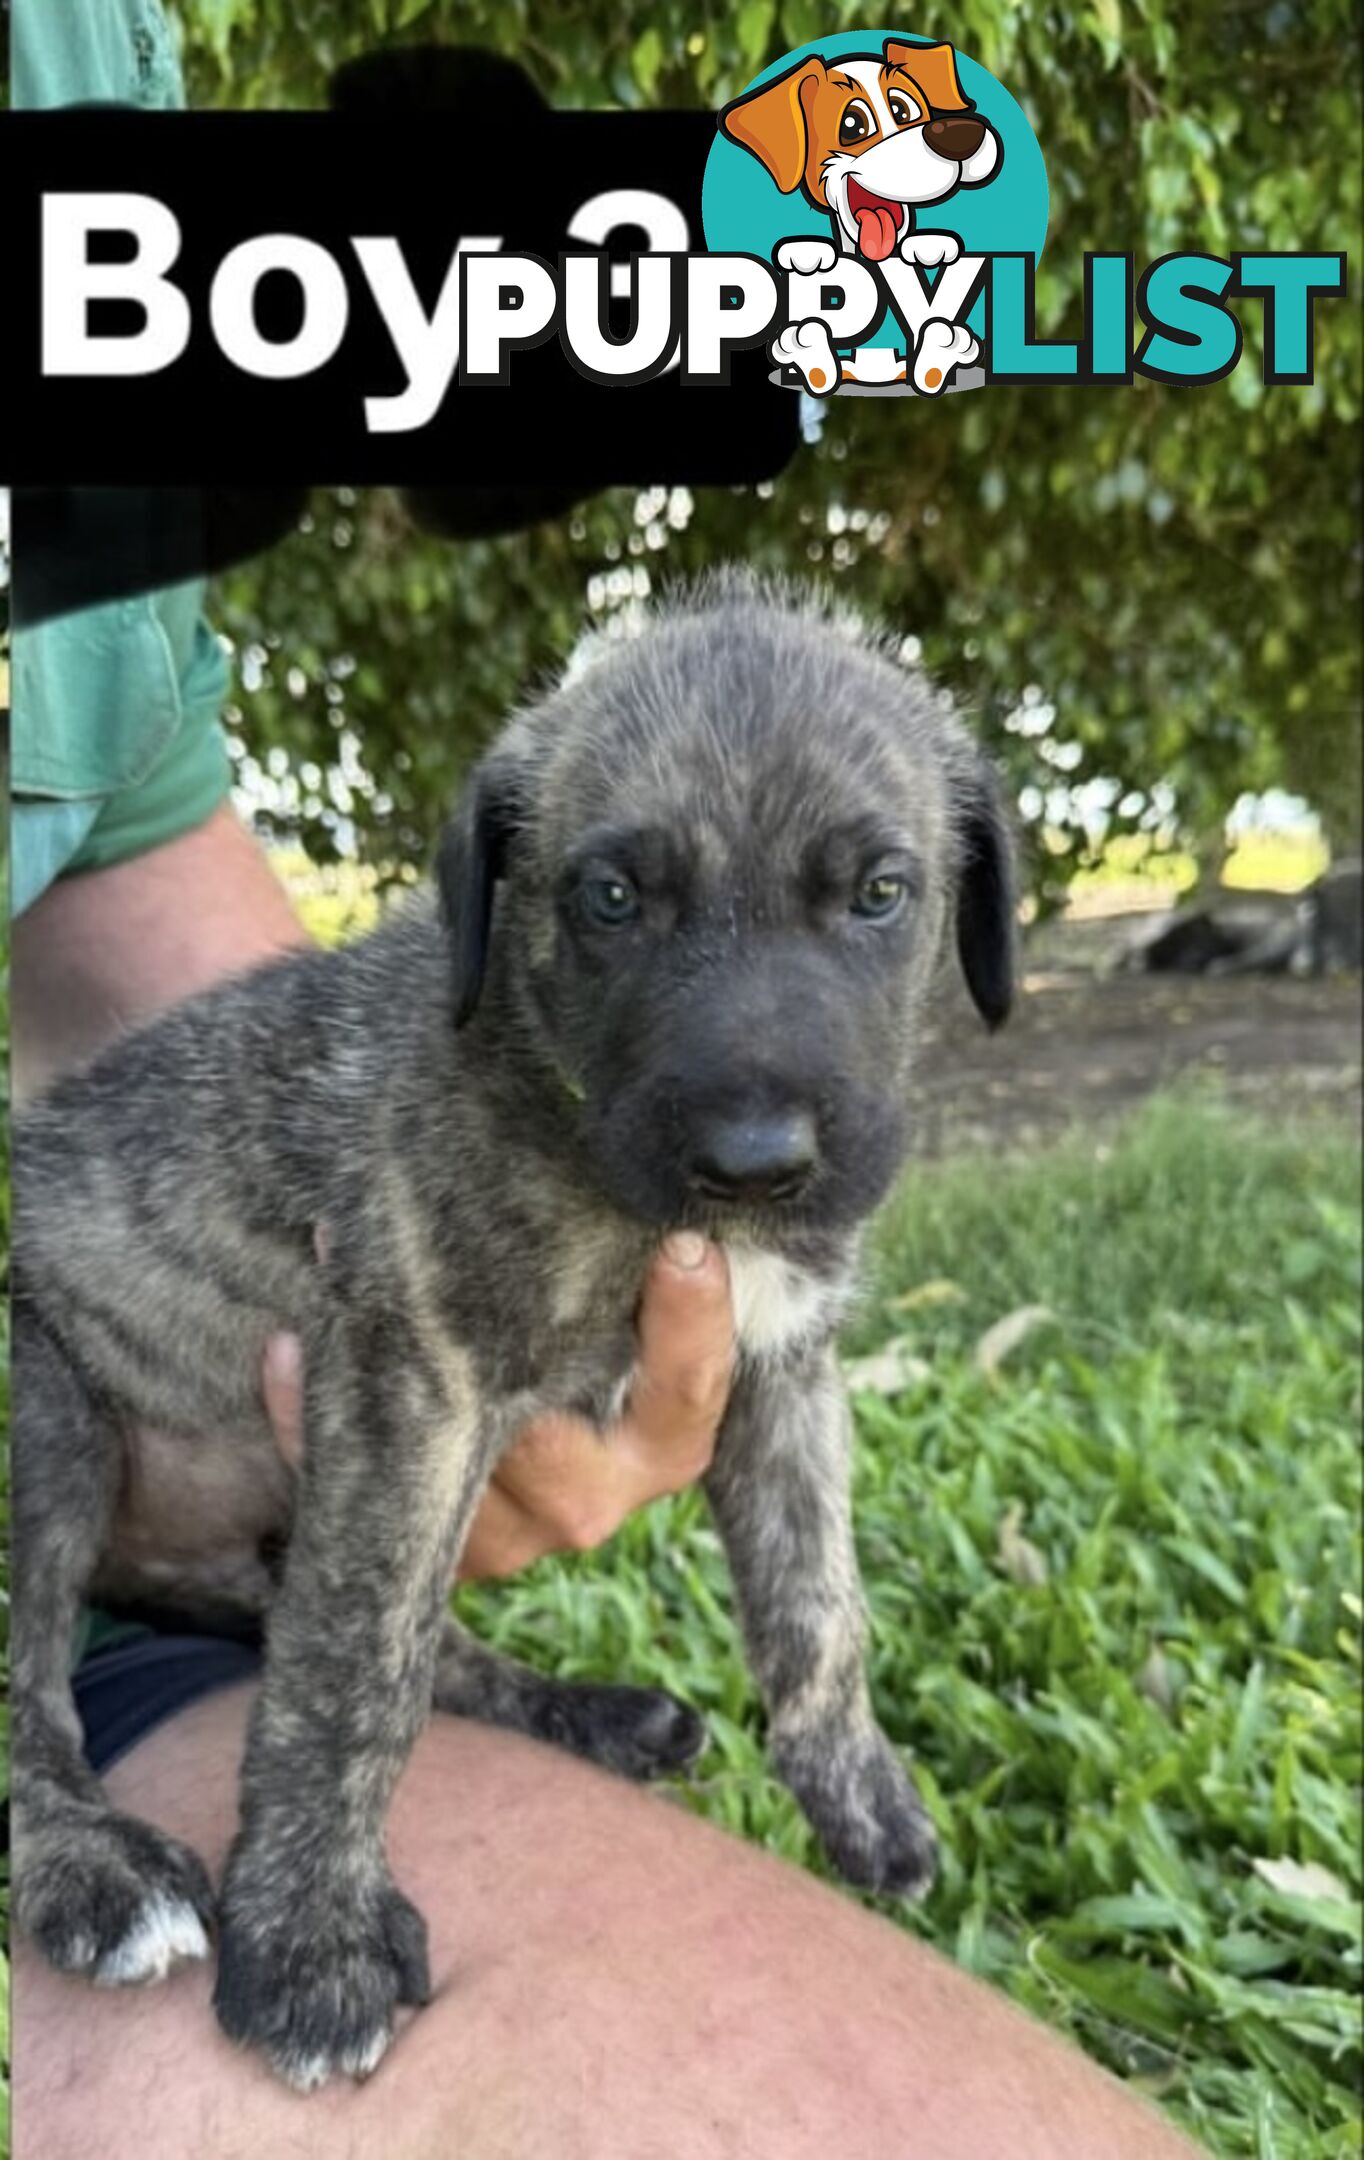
[868, 138]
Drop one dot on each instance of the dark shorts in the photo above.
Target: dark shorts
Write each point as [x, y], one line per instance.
[125, 1689]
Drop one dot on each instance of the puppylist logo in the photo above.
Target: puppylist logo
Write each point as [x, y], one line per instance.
[900, 197]
[886, 147]
[865, 219]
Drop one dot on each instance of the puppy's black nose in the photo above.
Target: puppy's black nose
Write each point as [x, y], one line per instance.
[754, 1158]
[957, 136]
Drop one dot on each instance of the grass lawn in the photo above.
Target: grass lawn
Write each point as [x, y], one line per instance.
[1115, 1596]
[1145, 872]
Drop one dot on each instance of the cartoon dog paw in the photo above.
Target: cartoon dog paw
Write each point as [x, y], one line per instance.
[808, 347]
[808, 258]
[942, 347]
[929, 249]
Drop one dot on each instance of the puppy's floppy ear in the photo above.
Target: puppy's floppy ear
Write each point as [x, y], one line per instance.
[469, 861]
[985, 895]
[934, 69]
[770, 122]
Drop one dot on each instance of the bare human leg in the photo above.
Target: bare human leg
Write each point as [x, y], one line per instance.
[612, 1977]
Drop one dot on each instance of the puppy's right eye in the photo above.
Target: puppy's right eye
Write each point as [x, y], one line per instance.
[881, 895]
[857, 123]
[608, 902]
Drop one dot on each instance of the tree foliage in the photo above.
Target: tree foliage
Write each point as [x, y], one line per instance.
[1173, 573]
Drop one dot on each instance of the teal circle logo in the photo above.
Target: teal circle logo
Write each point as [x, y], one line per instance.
[875, 142]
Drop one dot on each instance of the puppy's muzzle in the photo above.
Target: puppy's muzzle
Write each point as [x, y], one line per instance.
[762, 1158]
[955, 135]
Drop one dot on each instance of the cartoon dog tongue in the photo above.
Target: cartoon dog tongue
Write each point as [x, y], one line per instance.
[875, 230]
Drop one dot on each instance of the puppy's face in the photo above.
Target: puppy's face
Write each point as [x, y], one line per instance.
[727, 851]
[868, 138]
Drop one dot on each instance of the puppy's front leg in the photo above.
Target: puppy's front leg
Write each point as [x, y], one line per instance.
[780, 1488]
[318, 1947]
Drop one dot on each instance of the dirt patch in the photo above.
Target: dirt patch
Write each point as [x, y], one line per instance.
[1085, 1044]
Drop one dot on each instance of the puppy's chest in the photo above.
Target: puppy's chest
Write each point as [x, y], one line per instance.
[779, 1306]
[588, 1357]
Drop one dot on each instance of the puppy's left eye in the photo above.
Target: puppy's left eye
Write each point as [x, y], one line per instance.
[609, 902]
[903, 110]
[858, 123]
[881, 895]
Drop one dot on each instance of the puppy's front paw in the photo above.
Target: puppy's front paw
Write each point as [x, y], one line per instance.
[808, 258]
[314, 1983]
[860, 1799]
[111, 1897]
[930, 248]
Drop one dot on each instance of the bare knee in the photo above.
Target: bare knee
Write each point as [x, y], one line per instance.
[599, 1957]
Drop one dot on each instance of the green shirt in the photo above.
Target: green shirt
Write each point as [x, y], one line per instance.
[115, 738]
[115, 733]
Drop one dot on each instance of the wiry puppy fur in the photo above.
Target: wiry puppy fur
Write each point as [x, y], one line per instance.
[689, 906]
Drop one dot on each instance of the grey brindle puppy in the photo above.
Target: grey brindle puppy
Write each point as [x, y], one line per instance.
[688, 907]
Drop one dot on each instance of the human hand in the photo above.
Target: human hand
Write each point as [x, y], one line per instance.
[562, 1485]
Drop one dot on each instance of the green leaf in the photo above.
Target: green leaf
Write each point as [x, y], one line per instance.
[754, 21]
[646, 60]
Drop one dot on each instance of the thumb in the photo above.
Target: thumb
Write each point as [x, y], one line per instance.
[686, 1334]
[282, 1387]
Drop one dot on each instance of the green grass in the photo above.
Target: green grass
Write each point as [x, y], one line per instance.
[1115, 1601]
[1259, 862]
